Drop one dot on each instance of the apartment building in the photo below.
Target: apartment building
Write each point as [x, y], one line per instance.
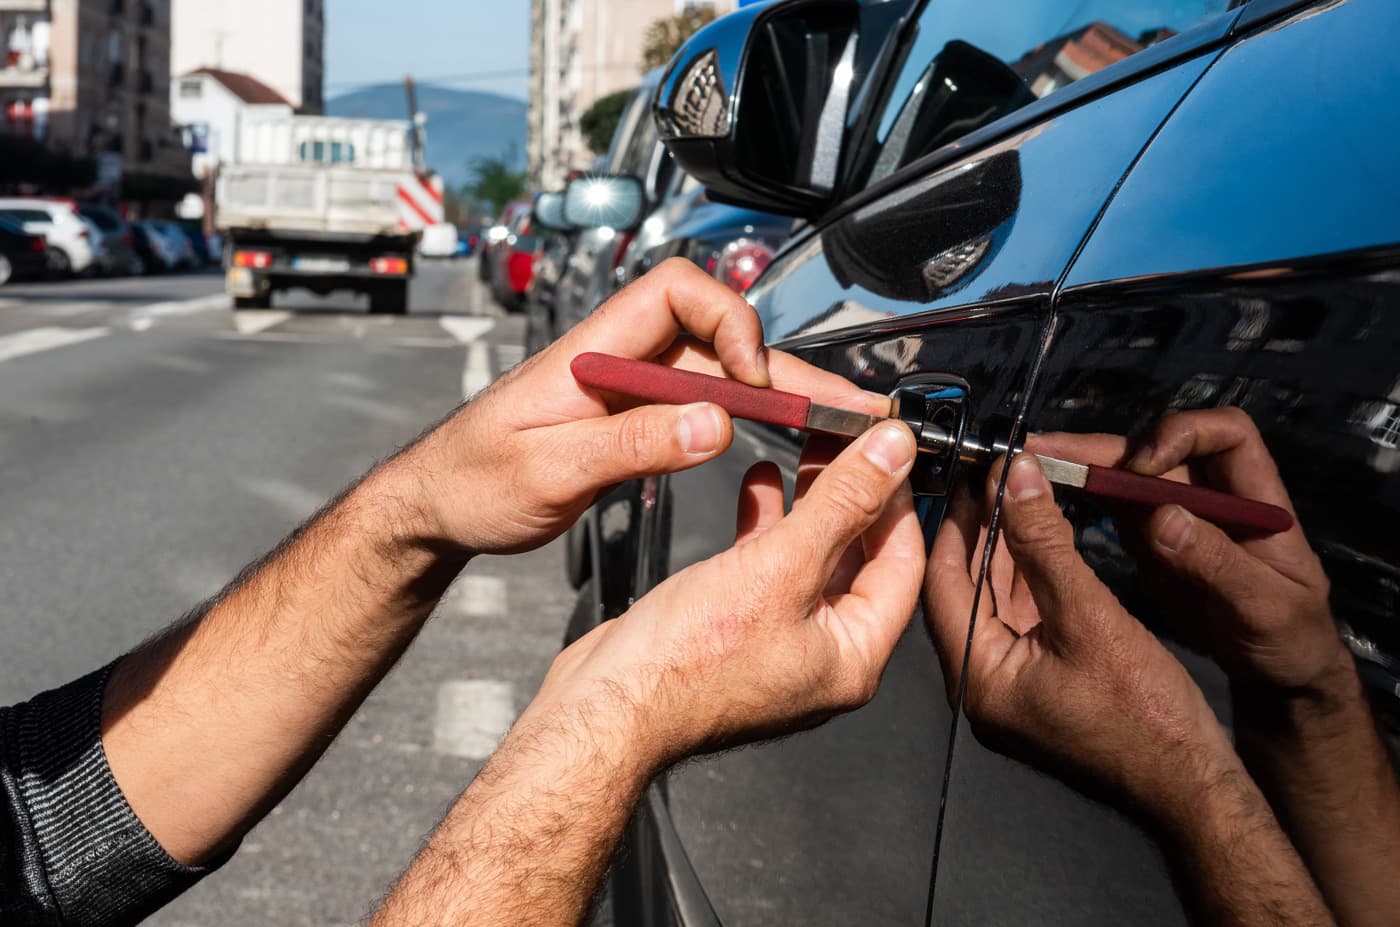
[581, 51]
[279, 42]
[92, 78]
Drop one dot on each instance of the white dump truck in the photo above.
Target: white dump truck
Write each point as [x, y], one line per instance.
[325, 204]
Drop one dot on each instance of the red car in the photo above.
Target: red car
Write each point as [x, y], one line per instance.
[511, 257]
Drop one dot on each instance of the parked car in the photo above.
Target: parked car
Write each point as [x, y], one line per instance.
[1082, 218]
[118, 237]
[23, 256]
[69, 239]
[511, 259]
[161, 253]
[181, 247]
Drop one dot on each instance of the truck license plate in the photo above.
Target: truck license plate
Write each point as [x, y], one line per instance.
[321, 265]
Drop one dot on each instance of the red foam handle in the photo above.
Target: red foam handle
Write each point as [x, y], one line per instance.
[659, 383]
[1222, 508]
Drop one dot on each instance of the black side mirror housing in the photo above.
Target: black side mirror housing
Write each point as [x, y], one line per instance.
[758, 105]
[604, 201]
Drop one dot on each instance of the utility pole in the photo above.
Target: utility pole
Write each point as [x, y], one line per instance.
[416, 141]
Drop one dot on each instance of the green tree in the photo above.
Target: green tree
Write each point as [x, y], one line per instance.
[666, 36]
[495, 182]
[599, 121]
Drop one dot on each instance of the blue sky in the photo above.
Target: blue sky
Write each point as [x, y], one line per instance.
[369, 41]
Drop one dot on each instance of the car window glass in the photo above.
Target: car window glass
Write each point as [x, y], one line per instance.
[27, 215]
[970, 62]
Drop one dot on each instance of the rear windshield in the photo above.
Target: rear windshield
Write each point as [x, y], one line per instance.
[26, 215]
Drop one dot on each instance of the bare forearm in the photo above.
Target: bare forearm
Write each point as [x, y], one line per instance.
[207, 727]
[1321, 763]
[530, 840]
[1232, 860]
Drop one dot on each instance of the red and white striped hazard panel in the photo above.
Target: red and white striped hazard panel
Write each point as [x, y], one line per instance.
[420, 202]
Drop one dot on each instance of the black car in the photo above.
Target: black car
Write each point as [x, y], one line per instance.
[1072, 217]
[22, 256]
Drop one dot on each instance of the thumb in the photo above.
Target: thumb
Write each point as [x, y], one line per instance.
[1041, 542]
[1205, 556]
[845, 500]
[645, 441]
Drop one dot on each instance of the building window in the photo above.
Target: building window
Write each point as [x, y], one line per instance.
[191, 89]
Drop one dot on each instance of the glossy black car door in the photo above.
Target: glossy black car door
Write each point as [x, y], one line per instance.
[948, 266]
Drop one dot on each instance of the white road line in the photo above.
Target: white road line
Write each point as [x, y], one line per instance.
[181, 307]
[509, 356]
[253, 321]
[477, 597]
[476, 376]
[466, 330]
[473, 715]
[38, 340]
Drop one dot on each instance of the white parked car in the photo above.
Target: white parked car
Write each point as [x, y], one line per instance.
[439, 241]
[69, 238]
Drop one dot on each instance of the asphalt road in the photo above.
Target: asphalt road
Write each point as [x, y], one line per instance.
[152, 442]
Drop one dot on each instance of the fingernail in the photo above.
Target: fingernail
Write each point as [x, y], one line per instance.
[1026, 481]
[1142, 458]
[699, 429]
[1178, 530]
[760, 364]
[889, 447]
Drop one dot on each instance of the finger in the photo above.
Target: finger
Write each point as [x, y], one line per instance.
[888, 583]
[644, 318]
[645, 441]
[1200, 553]
[760, 501]
[949, 593]
[1240, 464]
[845, 500]
[847, 568]
[788, 373]
[1066, 592]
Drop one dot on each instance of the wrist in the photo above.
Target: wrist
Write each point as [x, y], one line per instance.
[392, 509]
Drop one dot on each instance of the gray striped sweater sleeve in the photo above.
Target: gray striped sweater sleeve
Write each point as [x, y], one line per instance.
[72, 852]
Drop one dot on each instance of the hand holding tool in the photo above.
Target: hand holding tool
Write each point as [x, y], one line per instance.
[658, 383]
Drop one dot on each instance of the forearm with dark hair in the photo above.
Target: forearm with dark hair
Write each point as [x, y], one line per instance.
[530, 839]
[1232, 861]
[1319, 759]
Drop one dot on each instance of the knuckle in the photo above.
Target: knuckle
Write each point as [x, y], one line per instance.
[642, 438]
[853, 494]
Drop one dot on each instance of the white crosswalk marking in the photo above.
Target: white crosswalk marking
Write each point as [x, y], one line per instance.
[473, 715]
[181, 307]
[477, 375]
[253, 321]
[38, 340]
[466, 330]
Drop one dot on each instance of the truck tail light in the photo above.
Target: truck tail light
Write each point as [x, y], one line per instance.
[741, 263]
[258, 260]
[390, 266]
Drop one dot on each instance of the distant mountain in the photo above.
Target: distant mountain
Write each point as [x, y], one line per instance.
[463, 125]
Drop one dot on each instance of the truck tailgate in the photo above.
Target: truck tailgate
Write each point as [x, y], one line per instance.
[319, 199]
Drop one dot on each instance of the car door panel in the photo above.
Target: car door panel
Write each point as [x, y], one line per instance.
[1267, 290]
[954, 273]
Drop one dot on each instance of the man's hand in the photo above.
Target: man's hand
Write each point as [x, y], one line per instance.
[792, 625]
[1062, 677]
[1259, 604]
[513, 469]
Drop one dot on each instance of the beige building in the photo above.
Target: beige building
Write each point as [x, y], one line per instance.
[279, 42]
[92, 77]
[581, 51]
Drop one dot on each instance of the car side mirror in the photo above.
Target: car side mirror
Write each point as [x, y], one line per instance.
[757, 105]
[604, 201]
[549, 212]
